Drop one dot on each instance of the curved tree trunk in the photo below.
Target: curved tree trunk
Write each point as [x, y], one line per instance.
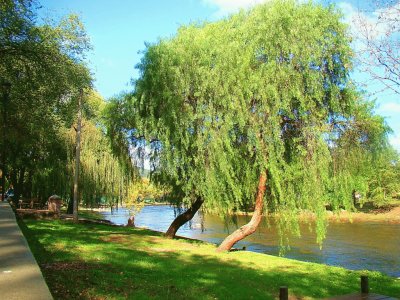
[183, 218]
[250, 227]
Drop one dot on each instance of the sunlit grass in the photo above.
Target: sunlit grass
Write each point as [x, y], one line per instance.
[105, 262]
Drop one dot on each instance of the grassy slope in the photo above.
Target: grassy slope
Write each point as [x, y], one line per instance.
[104, 262]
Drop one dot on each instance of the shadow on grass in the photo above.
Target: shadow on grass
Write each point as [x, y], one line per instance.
[102, 262]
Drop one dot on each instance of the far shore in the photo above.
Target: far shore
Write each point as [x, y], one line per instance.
[389, 214]
[383, 215]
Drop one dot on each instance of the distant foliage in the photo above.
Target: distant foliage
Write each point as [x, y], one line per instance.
[42, 70]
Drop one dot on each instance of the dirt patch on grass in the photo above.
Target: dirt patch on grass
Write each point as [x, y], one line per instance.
[160, 250]
[114, 239]
[395, 212]
[66, 266]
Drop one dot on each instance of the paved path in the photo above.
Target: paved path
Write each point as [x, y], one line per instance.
[20, 276]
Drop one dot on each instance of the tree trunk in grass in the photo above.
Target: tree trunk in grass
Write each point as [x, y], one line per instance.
[250, 227]
[70, 207]
[77, 158]
[5, 89]
[18, 188]
[183, 218]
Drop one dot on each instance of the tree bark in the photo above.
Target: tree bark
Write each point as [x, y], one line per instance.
[19, 183]
[250, 227]
[5, 99]
[77, 158]
[183, 218]
[131, 222]
[12, 173]
[28, 186]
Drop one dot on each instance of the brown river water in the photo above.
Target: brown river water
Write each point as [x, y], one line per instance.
[355, 246]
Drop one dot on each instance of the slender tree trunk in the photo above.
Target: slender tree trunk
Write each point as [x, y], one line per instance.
[12, 175]
[19, 183]
[70, 207]
[3, 171]
[250, 227]
[5, 99]
[28, 186]
[183, 218]
[77, 157]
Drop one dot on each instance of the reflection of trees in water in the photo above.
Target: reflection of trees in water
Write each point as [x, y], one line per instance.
[233, 219]
[191, 224]
[201, 218]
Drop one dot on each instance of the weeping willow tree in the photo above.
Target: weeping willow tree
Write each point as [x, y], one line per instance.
[104, 176]
[240, 110]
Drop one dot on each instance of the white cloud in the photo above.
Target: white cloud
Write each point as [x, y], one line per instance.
[230, 6]
[226, 7]
[107, 62]
[391, 107]
[376, 23]
[395, 142]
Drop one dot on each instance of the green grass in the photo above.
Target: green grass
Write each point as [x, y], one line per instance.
[89, 214]
[86, 213]
[87, 261]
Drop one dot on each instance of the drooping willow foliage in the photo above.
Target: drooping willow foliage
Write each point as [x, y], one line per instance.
[42, 72]
[102, 174]
[263, 91]
[256, 92]
[105, 178]
[42, 68]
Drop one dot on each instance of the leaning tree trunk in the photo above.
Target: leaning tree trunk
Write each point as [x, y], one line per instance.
[183, 218]
[250, 227]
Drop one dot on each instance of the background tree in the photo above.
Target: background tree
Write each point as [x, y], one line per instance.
[41, 74]
[378, 43]
[361, 154]
[42, 71]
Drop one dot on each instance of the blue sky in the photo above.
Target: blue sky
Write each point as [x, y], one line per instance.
[118, 30]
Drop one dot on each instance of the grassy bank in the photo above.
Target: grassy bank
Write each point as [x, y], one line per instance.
[91, 261]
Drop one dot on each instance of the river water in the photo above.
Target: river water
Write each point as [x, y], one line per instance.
[357, 246]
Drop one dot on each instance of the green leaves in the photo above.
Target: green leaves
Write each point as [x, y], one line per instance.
[259, 90]
[43, 64]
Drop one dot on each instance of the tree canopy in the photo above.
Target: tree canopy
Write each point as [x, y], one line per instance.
[42, 72]
[259, 94]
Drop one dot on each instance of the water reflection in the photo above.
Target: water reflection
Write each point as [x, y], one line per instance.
[358, 246]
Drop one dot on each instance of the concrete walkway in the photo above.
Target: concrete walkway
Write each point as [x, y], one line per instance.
[20, 276]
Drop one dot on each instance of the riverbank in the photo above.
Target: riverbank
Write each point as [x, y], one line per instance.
[389, 214]
[92, 261]
[361, 245]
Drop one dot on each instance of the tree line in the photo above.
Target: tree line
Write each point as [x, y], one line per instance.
[43, 74]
